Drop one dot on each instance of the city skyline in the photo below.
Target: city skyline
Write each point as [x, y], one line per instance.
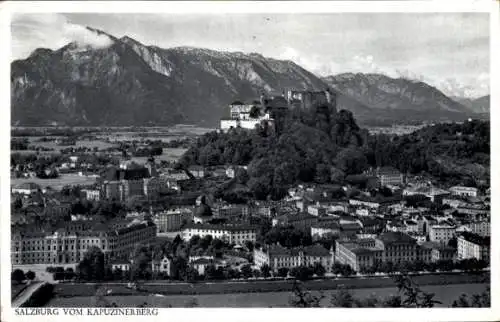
[457, 63]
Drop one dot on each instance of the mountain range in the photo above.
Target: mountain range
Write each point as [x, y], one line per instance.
[479, 105]
[129, 83]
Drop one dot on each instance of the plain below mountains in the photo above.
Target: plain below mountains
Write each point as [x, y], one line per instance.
[129, 83]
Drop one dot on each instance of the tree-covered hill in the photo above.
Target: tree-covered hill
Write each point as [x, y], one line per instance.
[452, 153]
[311, 146]
[322, 146]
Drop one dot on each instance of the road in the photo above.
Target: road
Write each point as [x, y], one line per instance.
[26, 294]
[328, 277]
[259, 286]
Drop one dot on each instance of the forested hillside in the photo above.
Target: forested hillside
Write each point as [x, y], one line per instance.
[452, 153]
[325, 147]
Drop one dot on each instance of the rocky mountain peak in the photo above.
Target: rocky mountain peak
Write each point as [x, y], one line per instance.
[124, 82]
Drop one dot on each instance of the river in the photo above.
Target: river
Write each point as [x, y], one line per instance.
[444, 293]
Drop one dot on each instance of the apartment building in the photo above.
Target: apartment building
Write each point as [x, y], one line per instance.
[471, 245]
[26, 188]
[430, 192]
[397, 247]
[230, 210]
[389, 176]
[69, 243]
[92, 194]
[441, 233]
[317, 210]
[358, 253]
[171, 220]
[277, 256]
[302, 221]
[480, 227]
[197, 171]
[464, 191]
[233, 234]
[124, 182]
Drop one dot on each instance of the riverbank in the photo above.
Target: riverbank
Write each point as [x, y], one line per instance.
[445, 294]
[262, 286]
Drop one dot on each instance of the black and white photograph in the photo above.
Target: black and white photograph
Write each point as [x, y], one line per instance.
[248, 160]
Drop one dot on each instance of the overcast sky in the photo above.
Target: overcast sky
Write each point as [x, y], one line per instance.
[447, 50]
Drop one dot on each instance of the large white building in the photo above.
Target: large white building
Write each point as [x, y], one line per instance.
[245, 116]
[359, 253]
[276, 257]
[234, 234]
[171, 220]
[317, 210]
[389, 176]
[92, 194]
[434, 194]
[441, 233]
[26, 188]
[473, 246]
[481, 227]
[69, 243]
[463, 191]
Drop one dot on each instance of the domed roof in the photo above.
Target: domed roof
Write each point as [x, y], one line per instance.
[203, 210]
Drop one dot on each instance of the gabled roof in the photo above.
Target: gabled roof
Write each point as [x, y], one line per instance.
[396, 237]
[327, 225]
[120, 262]
[361, 250]
[388, 171]
[476, 239]
[350, 226]
[313, 250]
[202, 261]
[316, 250]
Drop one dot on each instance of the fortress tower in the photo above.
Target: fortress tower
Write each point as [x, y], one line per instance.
[331, 100]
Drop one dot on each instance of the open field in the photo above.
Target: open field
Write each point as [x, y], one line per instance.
[169, 154]
[79, 143]
[164, 134]
[116, 135]
[57, 183]
[55, 152]
[446, 294]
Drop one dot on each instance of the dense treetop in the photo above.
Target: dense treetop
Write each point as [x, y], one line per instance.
[322, 146]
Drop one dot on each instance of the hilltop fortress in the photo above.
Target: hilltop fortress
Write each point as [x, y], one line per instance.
[267, 109]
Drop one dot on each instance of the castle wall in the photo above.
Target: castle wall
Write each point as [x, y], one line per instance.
[245, 124]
